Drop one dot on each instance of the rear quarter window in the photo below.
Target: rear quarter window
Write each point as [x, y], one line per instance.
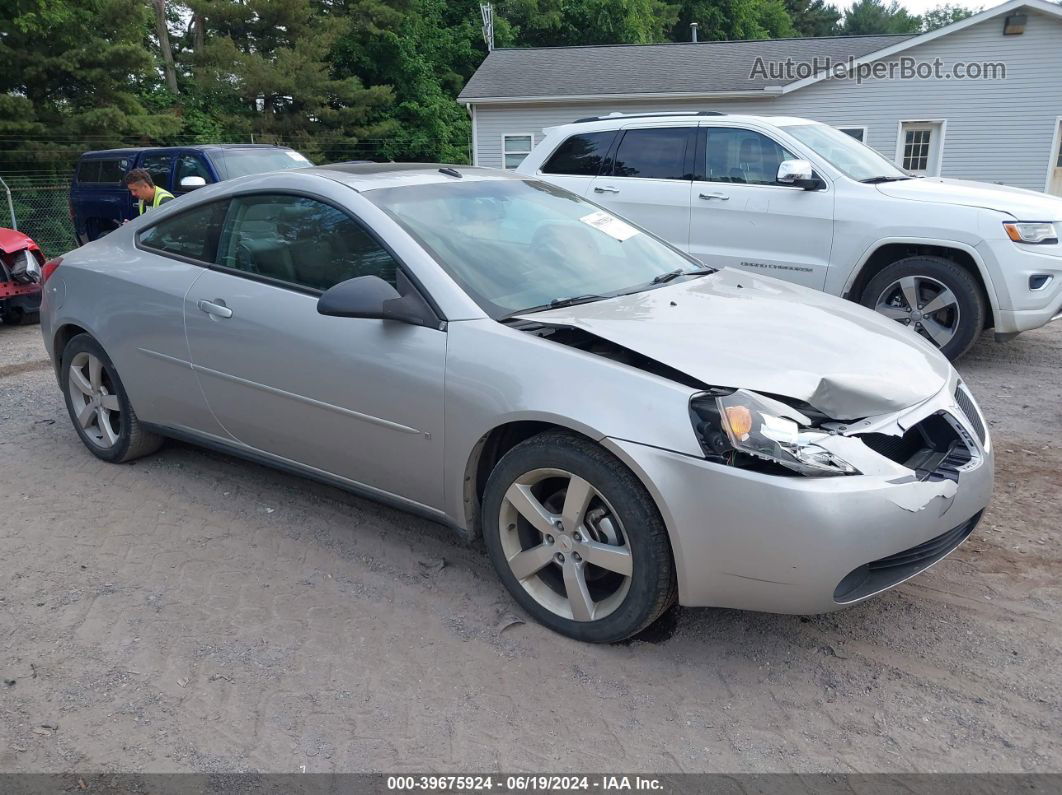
[191, 235]
[581, 155]
[106, 171]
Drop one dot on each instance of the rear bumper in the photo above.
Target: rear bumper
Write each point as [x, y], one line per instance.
[786, 544]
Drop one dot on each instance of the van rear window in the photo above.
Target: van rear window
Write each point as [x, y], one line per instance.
[103, 171]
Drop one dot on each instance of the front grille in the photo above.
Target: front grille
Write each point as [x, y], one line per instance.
[970, 410]
[886, 572]
[933, 448]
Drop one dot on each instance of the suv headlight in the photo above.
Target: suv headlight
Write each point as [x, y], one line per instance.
[741, 428]
[1031, 232]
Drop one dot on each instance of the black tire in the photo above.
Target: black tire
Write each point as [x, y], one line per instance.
[20, 317]
[653, 587]
[133, 441]
[969, 298]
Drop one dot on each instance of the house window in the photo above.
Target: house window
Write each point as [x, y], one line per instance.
[515, 148]
[919, 147]
[859, 133]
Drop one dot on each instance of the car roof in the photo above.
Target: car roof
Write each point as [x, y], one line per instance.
[373, 176]
[613, 122]
[132, 150]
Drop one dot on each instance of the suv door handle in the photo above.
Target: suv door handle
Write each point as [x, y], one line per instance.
[606, 189]
[715, 195]
[211, 308]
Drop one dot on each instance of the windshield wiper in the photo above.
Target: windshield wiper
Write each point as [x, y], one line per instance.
[558, 303]
[883, 178]
[666, 277]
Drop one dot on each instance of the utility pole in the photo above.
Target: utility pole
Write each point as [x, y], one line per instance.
[164, 44]
[486, 10]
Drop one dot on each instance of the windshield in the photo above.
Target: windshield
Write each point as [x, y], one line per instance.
[234, 163]
[845, 153]
[515, 245]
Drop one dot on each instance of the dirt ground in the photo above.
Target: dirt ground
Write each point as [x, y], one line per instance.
[194, 612]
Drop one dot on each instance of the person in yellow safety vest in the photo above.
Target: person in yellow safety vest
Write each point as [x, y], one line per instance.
[144, 189]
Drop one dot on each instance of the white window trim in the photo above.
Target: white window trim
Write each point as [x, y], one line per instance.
[505, 151]
[941, 123]
[1052, 160]
[843, 127]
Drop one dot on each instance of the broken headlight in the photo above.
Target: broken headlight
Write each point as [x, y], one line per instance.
[744, 429]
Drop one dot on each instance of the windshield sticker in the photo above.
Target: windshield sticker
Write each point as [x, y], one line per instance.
[296, 156]
[610, 225]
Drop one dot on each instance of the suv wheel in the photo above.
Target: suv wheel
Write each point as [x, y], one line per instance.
[933, 296]
[577, 540]
[98, 405]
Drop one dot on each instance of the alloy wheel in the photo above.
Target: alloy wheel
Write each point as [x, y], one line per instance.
[565, 544]
[923, 303]
[95, 401]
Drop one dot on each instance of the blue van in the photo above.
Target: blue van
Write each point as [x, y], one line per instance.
[99, 202]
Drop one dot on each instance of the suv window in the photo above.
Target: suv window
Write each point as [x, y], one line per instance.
[102, 170]
[192, 234]
[743, 156]
[658, 153]
[301, 241]
[580, 155]
[158, 165]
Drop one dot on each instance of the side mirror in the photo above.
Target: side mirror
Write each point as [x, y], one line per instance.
[191, 183]
[372, 297]
[799, 174]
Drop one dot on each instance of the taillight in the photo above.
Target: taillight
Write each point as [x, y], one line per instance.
[49, 268]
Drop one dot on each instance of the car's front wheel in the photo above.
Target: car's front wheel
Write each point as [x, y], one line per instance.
[934, 297]
[98, 405]
[577, 539]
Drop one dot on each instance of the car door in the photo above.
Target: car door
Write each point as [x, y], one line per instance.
[578, 160]
[743, 218]
[648, 179]
[159, 164]
[361, 399]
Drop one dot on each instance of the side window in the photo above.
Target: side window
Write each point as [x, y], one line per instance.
[743, 156]
[158, 165]
[190, 166]
[96, 171]
[580, 155]
[191, 234]
[301, 241]
[658, 153]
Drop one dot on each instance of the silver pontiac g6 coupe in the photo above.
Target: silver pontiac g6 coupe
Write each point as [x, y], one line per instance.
[623, 426]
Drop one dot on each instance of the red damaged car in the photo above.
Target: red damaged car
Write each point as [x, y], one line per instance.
[21, 261]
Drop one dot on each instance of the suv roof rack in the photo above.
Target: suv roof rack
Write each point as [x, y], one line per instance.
[650, 115]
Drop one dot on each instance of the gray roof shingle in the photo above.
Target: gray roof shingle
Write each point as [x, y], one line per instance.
[707, 66]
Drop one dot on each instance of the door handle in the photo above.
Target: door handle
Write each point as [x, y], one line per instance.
[715, 195]
[216, 307]
[606, 189]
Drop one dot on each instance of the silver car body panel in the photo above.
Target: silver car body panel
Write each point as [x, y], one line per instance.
[399, 412]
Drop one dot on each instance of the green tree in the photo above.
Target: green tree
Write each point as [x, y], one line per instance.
[553, 23]
[945, 15]
[876, 17]
[721, 20]
[813, 17]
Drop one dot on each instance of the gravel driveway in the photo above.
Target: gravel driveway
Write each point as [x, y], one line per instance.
[194, 612]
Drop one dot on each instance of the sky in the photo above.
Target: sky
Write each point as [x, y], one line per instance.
[921, 6]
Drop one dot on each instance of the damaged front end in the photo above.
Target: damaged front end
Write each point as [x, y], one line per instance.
[926, 447]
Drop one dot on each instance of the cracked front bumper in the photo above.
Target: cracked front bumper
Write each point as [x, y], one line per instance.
[747, 540]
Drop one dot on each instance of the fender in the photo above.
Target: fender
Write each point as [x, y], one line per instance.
[966, 248]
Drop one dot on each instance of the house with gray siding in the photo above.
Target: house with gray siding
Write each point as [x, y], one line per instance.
[979, 99]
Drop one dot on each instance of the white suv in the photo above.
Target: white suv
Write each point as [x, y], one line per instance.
[802, 201]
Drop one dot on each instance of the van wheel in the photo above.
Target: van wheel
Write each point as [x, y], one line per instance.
[934, 297]
[98, 405]
[577, 540]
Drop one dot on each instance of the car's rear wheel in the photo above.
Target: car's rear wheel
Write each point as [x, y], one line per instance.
[934, 297]
[577, 540]
[98, 405]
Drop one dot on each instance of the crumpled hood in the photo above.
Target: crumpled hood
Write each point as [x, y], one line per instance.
[734, 329]
[1024, 205]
